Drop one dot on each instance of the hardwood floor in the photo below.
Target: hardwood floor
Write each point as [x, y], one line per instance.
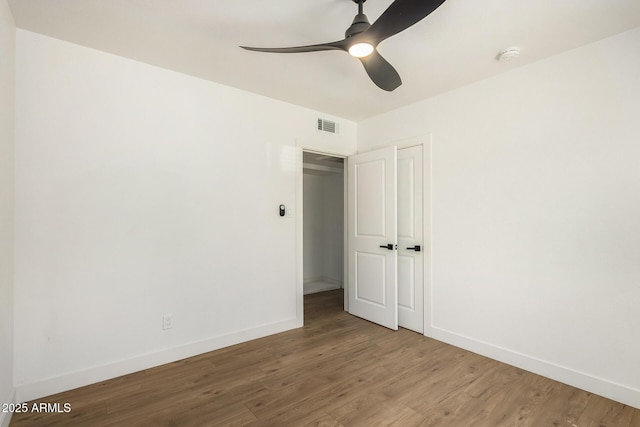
[338, 370]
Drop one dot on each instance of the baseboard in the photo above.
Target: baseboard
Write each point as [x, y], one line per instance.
[325, 279]
[5, 417]
[605, 388]
[72, 380]
[315, 286]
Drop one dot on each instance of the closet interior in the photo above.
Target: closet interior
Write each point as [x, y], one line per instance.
[323, 213]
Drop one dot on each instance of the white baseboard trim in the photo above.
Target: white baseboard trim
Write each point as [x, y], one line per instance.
[321, 286]
[5, 417]
[325, 279]
[72, 380]
[611, 390]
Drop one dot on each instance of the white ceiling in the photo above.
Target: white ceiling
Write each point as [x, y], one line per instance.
[454, 46]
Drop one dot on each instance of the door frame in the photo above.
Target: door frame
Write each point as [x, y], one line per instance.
[426, 141]
[299, 224]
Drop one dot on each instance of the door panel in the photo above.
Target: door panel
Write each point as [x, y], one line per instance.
[372, 213]
[369, 207]
[370, 271]
[410, 234]
[406, 283]
[406, 199]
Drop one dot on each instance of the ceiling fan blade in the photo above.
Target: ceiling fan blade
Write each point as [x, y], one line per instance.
[338, 45]
[381, 72]
[399, 16]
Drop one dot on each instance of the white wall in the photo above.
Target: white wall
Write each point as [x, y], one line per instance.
[140, 192]
[536, 237]
[333, 225]
[7, 76]
[323, 227]
[313, 228]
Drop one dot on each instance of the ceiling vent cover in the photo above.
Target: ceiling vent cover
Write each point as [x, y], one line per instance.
[327, 126]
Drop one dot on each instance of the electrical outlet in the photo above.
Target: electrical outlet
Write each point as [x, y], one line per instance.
[167, 321]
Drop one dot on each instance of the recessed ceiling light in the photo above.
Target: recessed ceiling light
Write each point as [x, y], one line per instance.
[508, 54]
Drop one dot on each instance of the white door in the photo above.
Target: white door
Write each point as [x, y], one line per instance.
[372, 242]
[410, 240]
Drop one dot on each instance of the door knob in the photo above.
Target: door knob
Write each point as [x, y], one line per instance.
[387, 246]
[415, 248]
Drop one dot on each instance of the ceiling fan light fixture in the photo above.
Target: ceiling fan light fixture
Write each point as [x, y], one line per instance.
[360, 50]
[361, 38]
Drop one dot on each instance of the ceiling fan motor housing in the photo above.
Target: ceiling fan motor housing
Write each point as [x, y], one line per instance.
[360, 23]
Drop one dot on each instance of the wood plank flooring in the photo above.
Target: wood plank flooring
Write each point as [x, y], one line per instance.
[338, 370]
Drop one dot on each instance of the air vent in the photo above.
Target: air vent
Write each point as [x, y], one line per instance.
[327, 126]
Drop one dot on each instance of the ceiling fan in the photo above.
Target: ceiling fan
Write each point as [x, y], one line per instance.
[362, 38]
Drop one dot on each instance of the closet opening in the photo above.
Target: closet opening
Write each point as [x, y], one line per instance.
[323, 201]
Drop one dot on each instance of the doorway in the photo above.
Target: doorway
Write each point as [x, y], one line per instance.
[323, 225]
[411, 252]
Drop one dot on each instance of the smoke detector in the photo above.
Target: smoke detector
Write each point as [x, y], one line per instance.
[508, 54]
